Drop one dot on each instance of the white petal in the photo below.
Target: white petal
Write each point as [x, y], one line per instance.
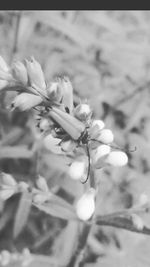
[85, 206]
[77, 170]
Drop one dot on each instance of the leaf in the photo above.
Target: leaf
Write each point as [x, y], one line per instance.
[22, 213]
[59, 208]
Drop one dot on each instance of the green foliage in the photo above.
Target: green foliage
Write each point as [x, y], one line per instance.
[106, 56]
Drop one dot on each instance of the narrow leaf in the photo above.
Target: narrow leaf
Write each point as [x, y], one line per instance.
[22, 213]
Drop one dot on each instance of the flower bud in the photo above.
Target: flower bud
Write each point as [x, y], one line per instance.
[77, 170]
[106, 136]
[36, 75]
[101, 151]
[54, 92]
[26, 101]
[99, 123]
[144, 199]
[82, 111]
[85, 206]
[117, 158]
[41, 184]
[20, 72]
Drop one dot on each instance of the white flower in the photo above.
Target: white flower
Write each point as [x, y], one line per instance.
[99, 123]
[117, 158]
[20, 72]
[3, 65]
[85, 206]
[8, 180]
[82, 111]
[137, 221]
[52, 144]
[77, 170]
[101, 151]
[36, 75]
[26, 101]
[106, 136]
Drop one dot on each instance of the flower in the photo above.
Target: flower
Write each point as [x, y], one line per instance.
[82, 112]
[100, 152]
[85, 206]
[26, 101]
[77, 170]
[36, 76]
[106, 136]
[20, 72]
[117, 158]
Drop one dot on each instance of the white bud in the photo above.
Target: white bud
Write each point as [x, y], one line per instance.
[117, 158]
[36, 75]
[82, 111]
[77, 170]
[55, 92]
[106, 136]
[26, 101]
[99, 123]
[68, 146]
[20, 72]
[41, 184]
[85, 206]
[101, 151]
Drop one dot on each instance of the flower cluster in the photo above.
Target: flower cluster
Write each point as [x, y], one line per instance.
[70, 128]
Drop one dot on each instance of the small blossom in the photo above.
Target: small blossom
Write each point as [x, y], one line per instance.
[54, 92]
[117, 158]
[26, 101]
[77, 170]
[20, 72]
[106, 136]
[82, 111]
[85, 206]
[99, 123]
[100, 152]
[36, 76]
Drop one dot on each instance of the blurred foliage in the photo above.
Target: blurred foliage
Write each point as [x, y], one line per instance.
[106, 55]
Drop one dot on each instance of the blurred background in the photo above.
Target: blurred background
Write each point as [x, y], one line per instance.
[106, 55]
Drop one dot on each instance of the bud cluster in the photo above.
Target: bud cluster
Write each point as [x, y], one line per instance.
[77, 134]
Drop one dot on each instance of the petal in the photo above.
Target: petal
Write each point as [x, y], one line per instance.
[26, 101]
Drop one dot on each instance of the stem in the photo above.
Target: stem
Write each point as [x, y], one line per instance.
[77, 259]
